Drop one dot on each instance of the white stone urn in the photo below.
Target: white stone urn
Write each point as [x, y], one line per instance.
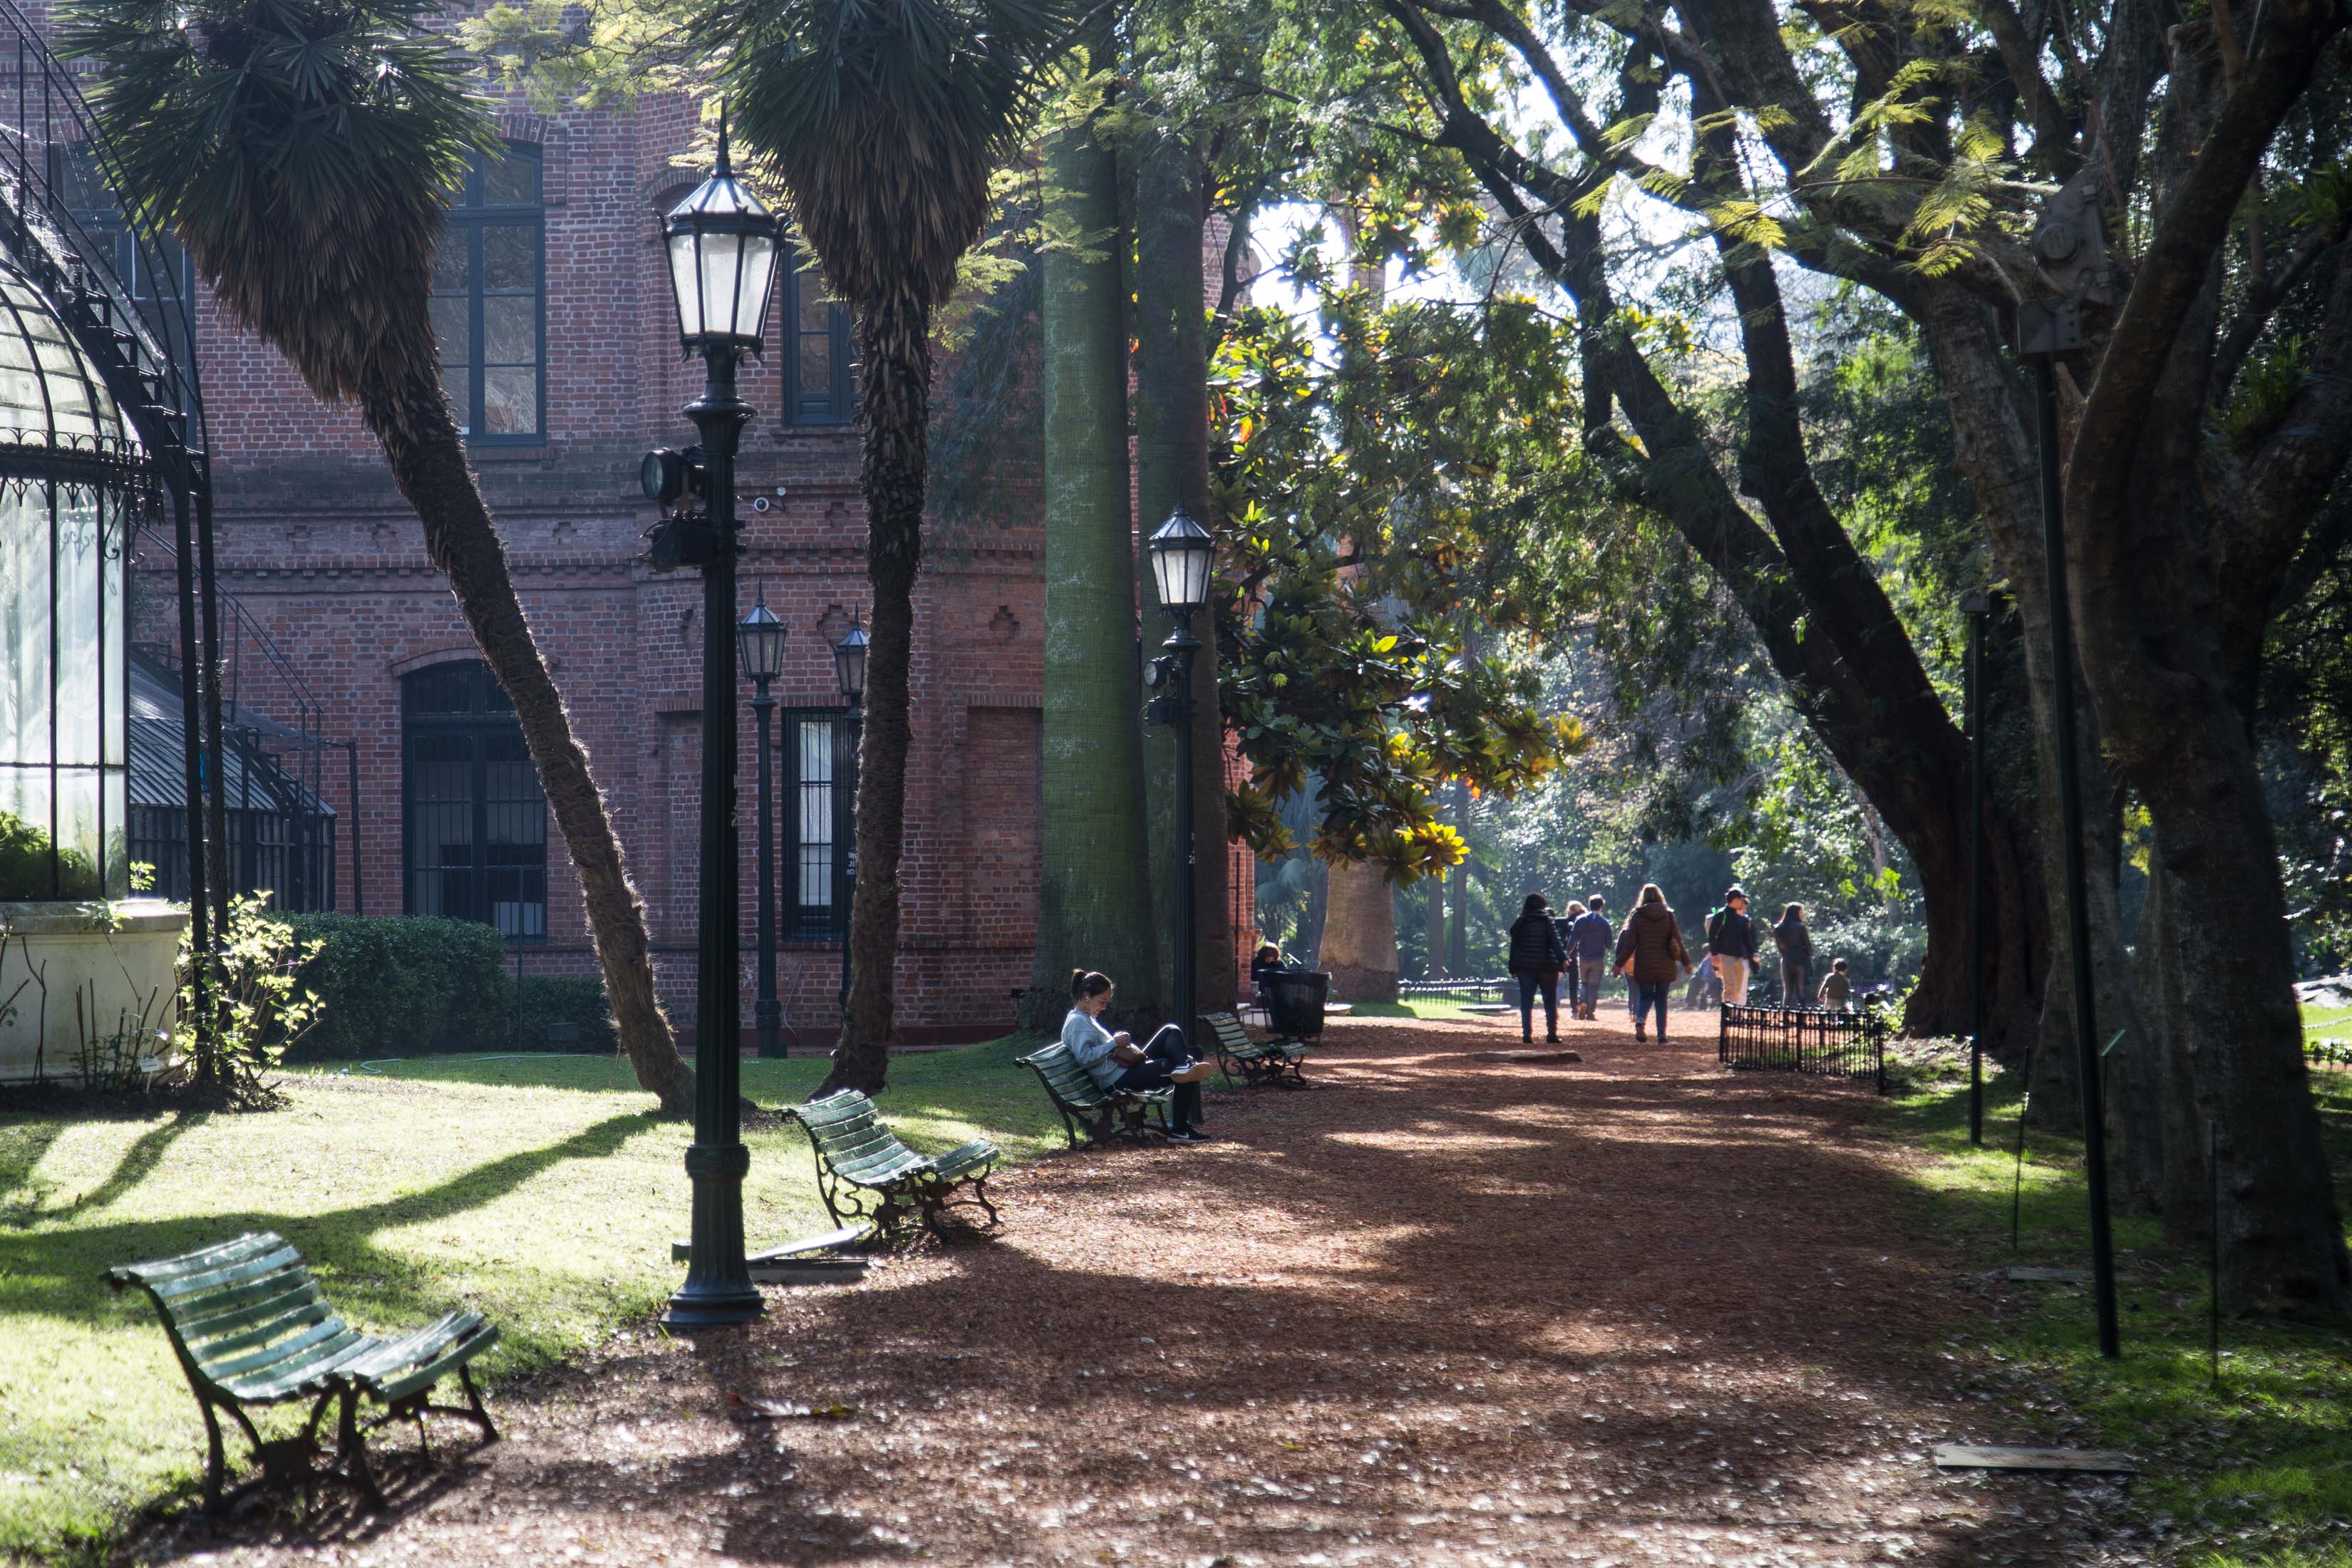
[89, 987]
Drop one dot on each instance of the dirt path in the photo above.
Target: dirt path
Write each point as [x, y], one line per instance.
[1637, 1310]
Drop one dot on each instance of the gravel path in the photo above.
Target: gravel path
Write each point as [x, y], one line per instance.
[1635, 1310]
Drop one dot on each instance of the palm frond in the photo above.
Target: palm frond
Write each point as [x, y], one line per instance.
[883, 121]
[303, 151]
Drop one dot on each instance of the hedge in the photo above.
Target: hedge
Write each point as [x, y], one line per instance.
[403, 986]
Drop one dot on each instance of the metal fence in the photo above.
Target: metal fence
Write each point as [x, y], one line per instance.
[1805, 1039]
[1506, 991]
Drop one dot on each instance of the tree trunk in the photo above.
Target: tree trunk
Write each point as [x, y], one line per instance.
[1096, 905]
[1360, 951]
[1171, 450]
[894, 388]
[428, 462]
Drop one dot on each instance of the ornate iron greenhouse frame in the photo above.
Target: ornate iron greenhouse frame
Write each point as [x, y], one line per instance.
[138, 345]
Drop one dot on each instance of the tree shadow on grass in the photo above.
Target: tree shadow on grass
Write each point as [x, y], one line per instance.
[65, 1265]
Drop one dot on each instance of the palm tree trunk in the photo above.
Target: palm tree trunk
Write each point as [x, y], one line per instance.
[412, 418]
[1096, 905]
[894, 350]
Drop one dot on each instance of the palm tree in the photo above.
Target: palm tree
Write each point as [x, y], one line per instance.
[302, 151]
[882, 121]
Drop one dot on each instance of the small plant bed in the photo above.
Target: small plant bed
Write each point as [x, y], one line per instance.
[2252, 1471]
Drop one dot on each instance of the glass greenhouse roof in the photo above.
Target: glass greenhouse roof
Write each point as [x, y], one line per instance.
[51, 395]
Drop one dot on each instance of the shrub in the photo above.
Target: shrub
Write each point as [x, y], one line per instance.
[576, 1000]
[401, 985]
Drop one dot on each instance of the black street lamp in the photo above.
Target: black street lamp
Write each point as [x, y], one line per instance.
[760, 640]
[1978, 608]
[721, 244]
[849, 669]
[1182, 555]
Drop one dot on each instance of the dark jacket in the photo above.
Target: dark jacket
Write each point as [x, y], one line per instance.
[1795, 942]
[1654, 943]
[1535, 943]
[1730, 935]
[1589, 937]
[1262, 970]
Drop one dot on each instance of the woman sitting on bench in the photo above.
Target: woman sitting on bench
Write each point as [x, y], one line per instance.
[1116, 1061]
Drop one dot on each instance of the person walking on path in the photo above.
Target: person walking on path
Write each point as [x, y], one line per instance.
[1569, 976]
[1116, 1061]
[1588, 949]
[1731, 944]
[1796, 946]
[1649, 950]
[1537, 959]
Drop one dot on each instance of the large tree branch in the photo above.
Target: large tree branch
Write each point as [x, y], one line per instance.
[2053, 134]
[2267, 295]
[2190, 230]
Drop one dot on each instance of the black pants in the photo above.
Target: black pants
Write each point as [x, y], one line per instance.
[1165, 1055]
[1530, 981]
[1575, 1005]
[1794, 978]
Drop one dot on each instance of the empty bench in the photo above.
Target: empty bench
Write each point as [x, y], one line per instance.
[1102, 1114]
[865, 1172]
[1256, 1061]
[251, 1328]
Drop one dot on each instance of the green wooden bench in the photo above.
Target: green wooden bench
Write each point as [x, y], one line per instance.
[251, 1329]
[1102, 1114]
[865, 1174]
[1257, 1061]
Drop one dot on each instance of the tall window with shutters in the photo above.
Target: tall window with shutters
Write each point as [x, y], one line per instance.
[489, 302]
[815, 811]
[474, 821]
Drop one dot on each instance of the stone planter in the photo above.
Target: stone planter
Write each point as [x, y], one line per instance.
[88, 989]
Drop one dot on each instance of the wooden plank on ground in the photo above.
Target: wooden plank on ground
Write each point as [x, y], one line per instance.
[1524, 1055]
[1985, 1456]
[840, 1240]
[2051, 1275]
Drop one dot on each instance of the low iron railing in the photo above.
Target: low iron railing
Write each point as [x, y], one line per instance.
[1805, 1039]
[1457, 991]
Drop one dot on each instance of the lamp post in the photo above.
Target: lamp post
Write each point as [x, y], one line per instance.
[721, 244]
[1182, 554]
[1978, 608]
[849, 669]
[760, 640]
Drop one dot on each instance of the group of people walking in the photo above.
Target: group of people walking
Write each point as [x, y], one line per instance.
[1581, 947]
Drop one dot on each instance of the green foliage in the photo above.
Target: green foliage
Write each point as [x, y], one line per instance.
[575, 1001]
[28, 864]
[263, 1001]
[400, 986]
[1355, 497]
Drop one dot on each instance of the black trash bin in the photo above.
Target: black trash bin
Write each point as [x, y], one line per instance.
[1294, 1004]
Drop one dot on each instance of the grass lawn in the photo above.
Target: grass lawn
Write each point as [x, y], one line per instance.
[2326, 1022]
[540, 1190]
[2258, 1475]
[1416, 1009]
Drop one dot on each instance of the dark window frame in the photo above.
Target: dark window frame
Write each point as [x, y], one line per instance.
[75, 178]
[470, 217]
[835, 403]
[799, 922]
[486, 715]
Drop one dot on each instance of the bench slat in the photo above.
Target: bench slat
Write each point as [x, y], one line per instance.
[307, 1356]
[970, 1157]
[457, 1354]
[242, 1272]
[392, 1358]
[156, 1271]
[247, 1305]
[215, 1355]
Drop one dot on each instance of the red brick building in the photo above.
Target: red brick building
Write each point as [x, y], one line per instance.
[560, 345]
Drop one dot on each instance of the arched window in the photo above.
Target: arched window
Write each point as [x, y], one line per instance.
[815, 332]
[475, 822]
[490, 285]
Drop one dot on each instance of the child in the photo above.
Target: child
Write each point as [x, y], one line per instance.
[1837, 990]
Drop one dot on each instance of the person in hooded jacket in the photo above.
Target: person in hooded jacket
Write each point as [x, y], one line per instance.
[1537, 956]
[1649, 952]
